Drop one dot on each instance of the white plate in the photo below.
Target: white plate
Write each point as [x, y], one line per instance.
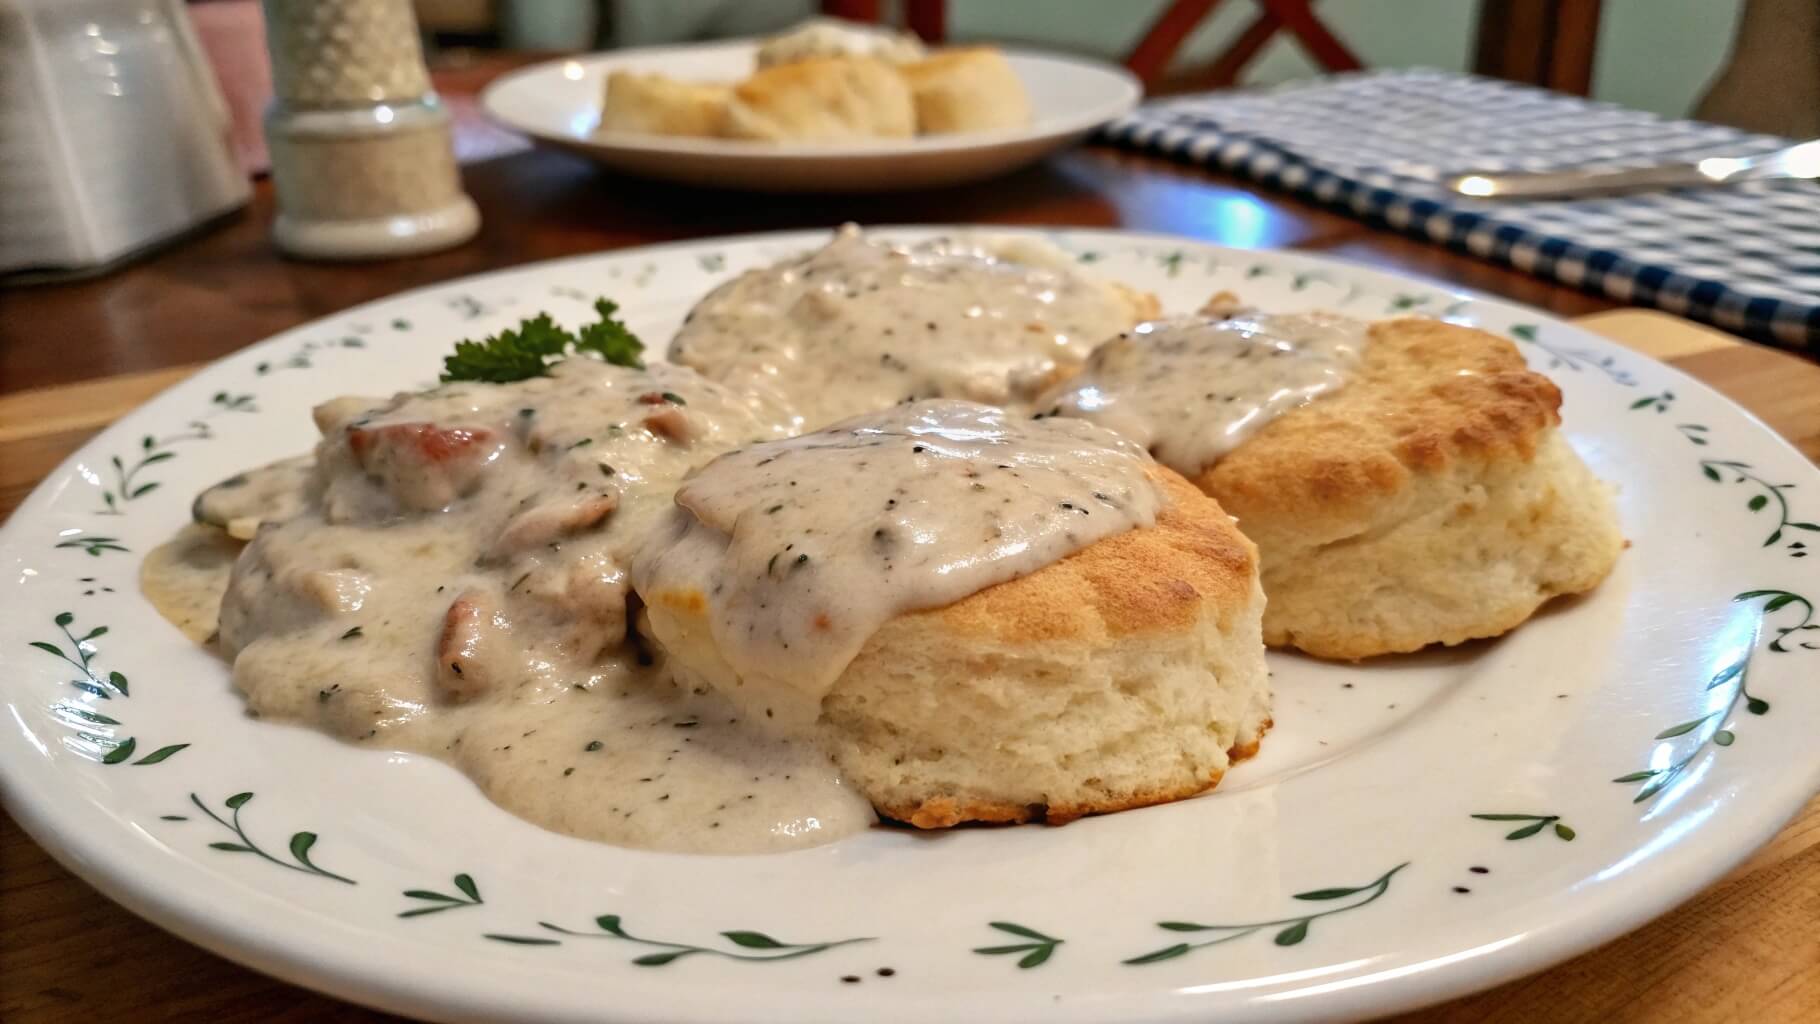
[558, 102]
[1377, 780]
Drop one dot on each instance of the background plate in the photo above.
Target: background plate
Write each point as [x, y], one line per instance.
[1414, 828]
[558, 102]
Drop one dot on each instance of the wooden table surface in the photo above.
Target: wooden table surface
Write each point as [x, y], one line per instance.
[73, 357]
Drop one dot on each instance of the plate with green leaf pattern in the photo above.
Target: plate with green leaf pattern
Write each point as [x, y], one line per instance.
[1414, 828]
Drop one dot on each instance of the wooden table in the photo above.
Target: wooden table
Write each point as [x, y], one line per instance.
[74, 357]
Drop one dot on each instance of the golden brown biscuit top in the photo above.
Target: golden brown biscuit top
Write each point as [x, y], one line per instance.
[944, 60]
[1426, 395]
[1153, 580]
[822, 98]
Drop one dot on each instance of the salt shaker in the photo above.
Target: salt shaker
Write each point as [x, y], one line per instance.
[361, 153]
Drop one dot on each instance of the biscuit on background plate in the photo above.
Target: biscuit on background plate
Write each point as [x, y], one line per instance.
[967, 89]
[822, 99]
[654, 104]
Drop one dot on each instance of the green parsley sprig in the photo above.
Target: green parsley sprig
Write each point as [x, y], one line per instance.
[528, 351]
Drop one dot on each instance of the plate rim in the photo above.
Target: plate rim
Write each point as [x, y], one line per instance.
[244, 942]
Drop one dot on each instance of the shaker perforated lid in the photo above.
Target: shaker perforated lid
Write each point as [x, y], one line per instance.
[337, 53]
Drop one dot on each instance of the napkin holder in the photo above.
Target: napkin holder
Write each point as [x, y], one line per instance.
[115, 134]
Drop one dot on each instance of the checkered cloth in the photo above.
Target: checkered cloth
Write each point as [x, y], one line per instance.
[1745, 258]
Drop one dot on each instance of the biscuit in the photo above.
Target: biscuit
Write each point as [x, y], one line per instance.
[185, 577]
[655, 104]
[968, 89]
[1432, 500]
[822, 99]
[1127, 674]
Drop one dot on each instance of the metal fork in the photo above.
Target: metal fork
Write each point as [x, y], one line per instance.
[1798, 161]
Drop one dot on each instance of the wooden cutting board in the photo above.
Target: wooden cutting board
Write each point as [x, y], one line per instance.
[1746, 949]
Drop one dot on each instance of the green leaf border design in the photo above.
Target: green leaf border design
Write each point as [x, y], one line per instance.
[1715, 728]
[1536, 823]
[300, 845]
[128, 486]
[1778, 600]
[93, 544]
[109, 748]
[92, 682]
[1036, 952]
[467, 306]
[439, 901]
[303, 358]
[1290, 930]
[1573, 359]
[669, 952]
[1716, 470]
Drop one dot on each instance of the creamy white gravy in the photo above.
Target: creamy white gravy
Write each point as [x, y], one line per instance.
[832, 37]
[274, 492]
[186, 576]
[457, 584]
[1192, 389]
[862, 324]
[451, 572]
[803, 548]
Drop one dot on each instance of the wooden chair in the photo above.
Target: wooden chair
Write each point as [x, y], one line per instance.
[1550, 43]
[1151, 56]
[927, 18]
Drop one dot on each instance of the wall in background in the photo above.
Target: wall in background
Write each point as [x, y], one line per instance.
[1384, 33]
[1656, 55]
[1661, 55]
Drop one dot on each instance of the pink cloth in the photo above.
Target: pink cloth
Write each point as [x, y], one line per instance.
[232, 32]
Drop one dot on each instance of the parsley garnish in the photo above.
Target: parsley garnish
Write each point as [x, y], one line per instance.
[610, 339]
[528, 351]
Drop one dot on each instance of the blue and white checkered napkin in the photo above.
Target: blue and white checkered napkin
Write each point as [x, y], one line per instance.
[1746, 258]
